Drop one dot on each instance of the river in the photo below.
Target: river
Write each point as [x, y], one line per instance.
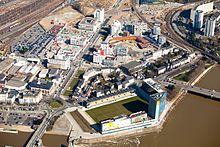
[195, 122]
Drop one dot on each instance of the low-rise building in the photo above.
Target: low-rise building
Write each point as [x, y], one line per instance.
[131, 67]
[43, 73]
[45, 87]
[8, 96]
[31, 97]
[88, 24]
[58, 63]
[6, 64]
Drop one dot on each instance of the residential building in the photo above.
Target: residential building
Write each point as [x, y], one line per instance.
[205, 7]
[210, 27]
[31, 97]
[131, 67]
[59, 63]
[198, 22]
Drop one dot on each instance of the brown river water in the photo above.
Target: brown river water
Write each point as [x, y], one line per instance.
[195, 122]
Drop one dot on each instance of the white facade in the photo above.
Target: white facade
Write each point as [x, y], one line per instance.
[31, 98]
[78, 40]
[99, 14]
[206, 7]
[116, 28]
[106, 48]
[162, 40]
[98, 58]
[43, 73]
[210, 27]
[62, 64]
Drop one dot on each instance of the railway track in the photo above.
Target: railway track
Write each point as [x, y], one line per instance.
[29, 19]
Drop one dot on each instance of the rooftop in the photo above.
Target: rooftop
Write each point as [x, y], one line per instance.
[131, 64]
[41, 85]
[88, 21]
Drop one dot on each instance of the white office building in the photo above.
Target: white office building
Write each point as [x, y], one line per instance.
[210, 27]
[116, 27]
[99, 14]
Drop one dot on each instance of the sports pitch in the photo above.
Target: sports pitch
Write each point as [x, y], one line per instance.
[128, 106]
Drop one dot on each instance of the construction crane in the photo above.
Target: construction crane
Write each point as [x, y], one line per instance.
[55, 30]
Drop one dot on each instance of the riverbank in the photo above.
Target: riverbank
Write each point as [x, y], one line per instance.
[157, 128]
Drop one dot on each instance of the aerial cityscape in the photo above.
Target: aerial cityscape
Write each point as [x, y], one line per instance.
[99, 73]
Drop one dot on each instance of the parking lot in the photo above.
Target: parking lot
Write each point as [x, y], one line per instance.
[25, 119]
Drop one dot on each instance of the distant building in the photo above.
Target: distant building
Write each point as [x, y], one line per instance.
[144, 2]
[210, 27]
[205, 7]
[99, 14]
[198, 22]
[116, 28]
[88, 24]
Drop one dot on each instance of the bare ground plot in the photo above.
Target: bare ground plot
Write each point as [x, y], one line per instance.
[82, 122]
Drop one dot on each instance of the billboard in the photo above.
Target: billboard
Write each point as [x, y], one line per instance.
[138, 118]
[116, 123]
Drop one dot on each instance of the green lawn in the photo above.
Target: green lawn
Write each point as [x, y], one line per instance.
[73, 83]
[128, 106]
[184, 76]
[55, 104]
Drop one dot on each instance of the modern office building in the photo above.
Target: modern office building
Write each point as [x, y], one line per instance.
[210, 27]
[99, 14]
[155, 95]
[198, 22]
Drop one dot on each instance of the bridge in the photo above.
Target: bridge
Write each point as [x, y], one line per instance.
[42, 128]
[211, 94]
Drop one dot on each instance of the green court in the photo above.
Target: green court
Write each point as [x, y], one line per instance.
[128, 106]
